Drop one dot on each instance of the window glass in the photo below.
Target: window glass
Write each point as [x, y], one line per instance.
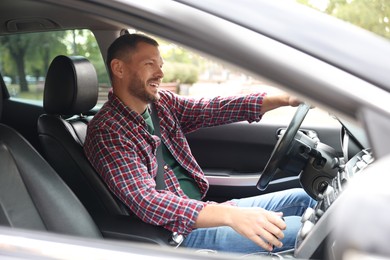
[25, 58]
[191, 74]
[207, 78]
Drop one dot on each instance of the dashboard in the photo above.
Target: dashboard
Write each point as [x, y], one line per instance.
[313, 238]
[315, 229]
[324, 174]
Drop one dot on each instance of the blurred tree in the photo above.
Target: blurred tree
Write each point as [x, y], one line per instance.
[372, 15]
[180, 65]
[179, 72]
[83, 42]
[17, 46]
[46, 46]
[30, 54]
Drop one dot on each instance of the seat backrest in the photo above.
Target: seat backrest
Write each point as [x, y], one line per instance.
[32, 195]
[71, 90]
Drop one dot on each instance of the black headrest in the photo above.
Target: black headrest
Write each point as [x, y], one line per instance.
[71, 86]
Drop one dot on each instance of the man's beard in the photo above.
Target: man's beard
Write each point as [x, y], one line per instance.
[138, 89]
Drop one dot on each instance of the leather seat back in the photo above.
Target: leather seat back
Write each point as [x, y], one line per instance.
[32, 195]
[71, 91]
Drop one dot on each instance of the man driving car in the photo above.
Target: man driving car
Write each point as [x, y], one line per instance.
[121, 145]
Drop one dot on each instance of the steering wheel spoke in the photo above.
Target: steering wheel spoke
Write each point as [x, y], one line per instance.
[282, 146]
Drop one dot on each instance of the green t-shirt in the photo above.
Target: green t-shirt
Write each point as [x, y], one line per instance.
[187, 184]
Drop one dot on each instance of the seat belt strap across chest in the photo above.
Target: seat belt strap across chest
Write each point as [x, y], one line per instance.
[176, 238]
[160, 184]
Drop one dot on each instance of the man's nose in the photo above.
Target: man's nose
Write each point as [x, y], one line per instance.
[160, 73]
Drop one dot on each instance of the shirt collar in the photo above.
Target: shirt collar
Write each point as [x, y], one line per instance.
[121, 108]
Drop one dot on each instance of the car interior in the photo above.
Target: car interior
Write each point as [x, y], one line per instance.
[33, 196]
[47, 183]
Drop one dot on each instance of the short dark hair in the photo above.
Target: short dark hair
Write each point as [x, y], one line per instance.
[124, 44]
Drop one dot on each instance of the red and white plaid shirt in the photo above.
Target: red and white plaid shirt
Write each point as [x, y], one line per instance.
[123, 152]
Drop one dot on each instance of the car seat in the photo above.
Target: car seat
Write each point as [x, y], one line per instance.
[71, 91]
[32, 195]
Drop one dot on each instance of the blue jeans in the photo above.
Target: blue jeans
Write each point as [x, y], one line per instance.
[292, 203]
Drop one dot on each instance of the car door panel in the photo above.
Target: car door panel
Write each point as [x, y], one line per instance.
[222, 146]
[233, 156]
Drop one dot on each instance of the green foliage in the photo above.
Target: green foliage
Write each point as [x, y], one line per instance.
[17, 47]
[30, 54]
[43, 50]
[372, 15]
[180, 72]
[83, 42]
[180, 65]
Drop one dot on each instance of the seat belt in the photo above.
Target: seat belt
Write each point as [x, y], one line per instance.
[160, 184]
[176, 239]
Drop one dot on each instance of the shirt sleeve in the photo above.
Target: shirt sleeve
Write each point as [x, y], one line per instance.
[128, 178]
[197, 113]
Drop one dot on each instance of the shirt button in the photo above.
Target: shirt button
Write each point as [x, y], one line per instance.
[165, 167]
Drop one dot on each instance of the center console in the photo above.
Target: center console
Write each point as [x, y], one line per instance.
[316, 222]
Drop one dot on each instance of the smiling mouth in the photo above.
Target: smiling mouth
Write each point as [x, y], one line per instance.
[154, 84]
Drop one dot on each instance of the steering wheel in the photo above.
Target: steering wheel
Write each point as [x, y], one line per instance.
[282, 146]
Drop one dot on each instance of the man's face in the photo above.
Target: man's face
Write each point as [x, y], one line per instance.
[144, 73]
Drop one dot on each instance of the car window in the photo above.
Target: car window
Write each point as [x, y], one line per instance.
[216, 79]
[25, 58]
[192, 74]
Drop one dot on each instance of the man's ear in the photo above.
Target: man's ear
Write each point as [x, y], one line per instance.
[117, 68]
